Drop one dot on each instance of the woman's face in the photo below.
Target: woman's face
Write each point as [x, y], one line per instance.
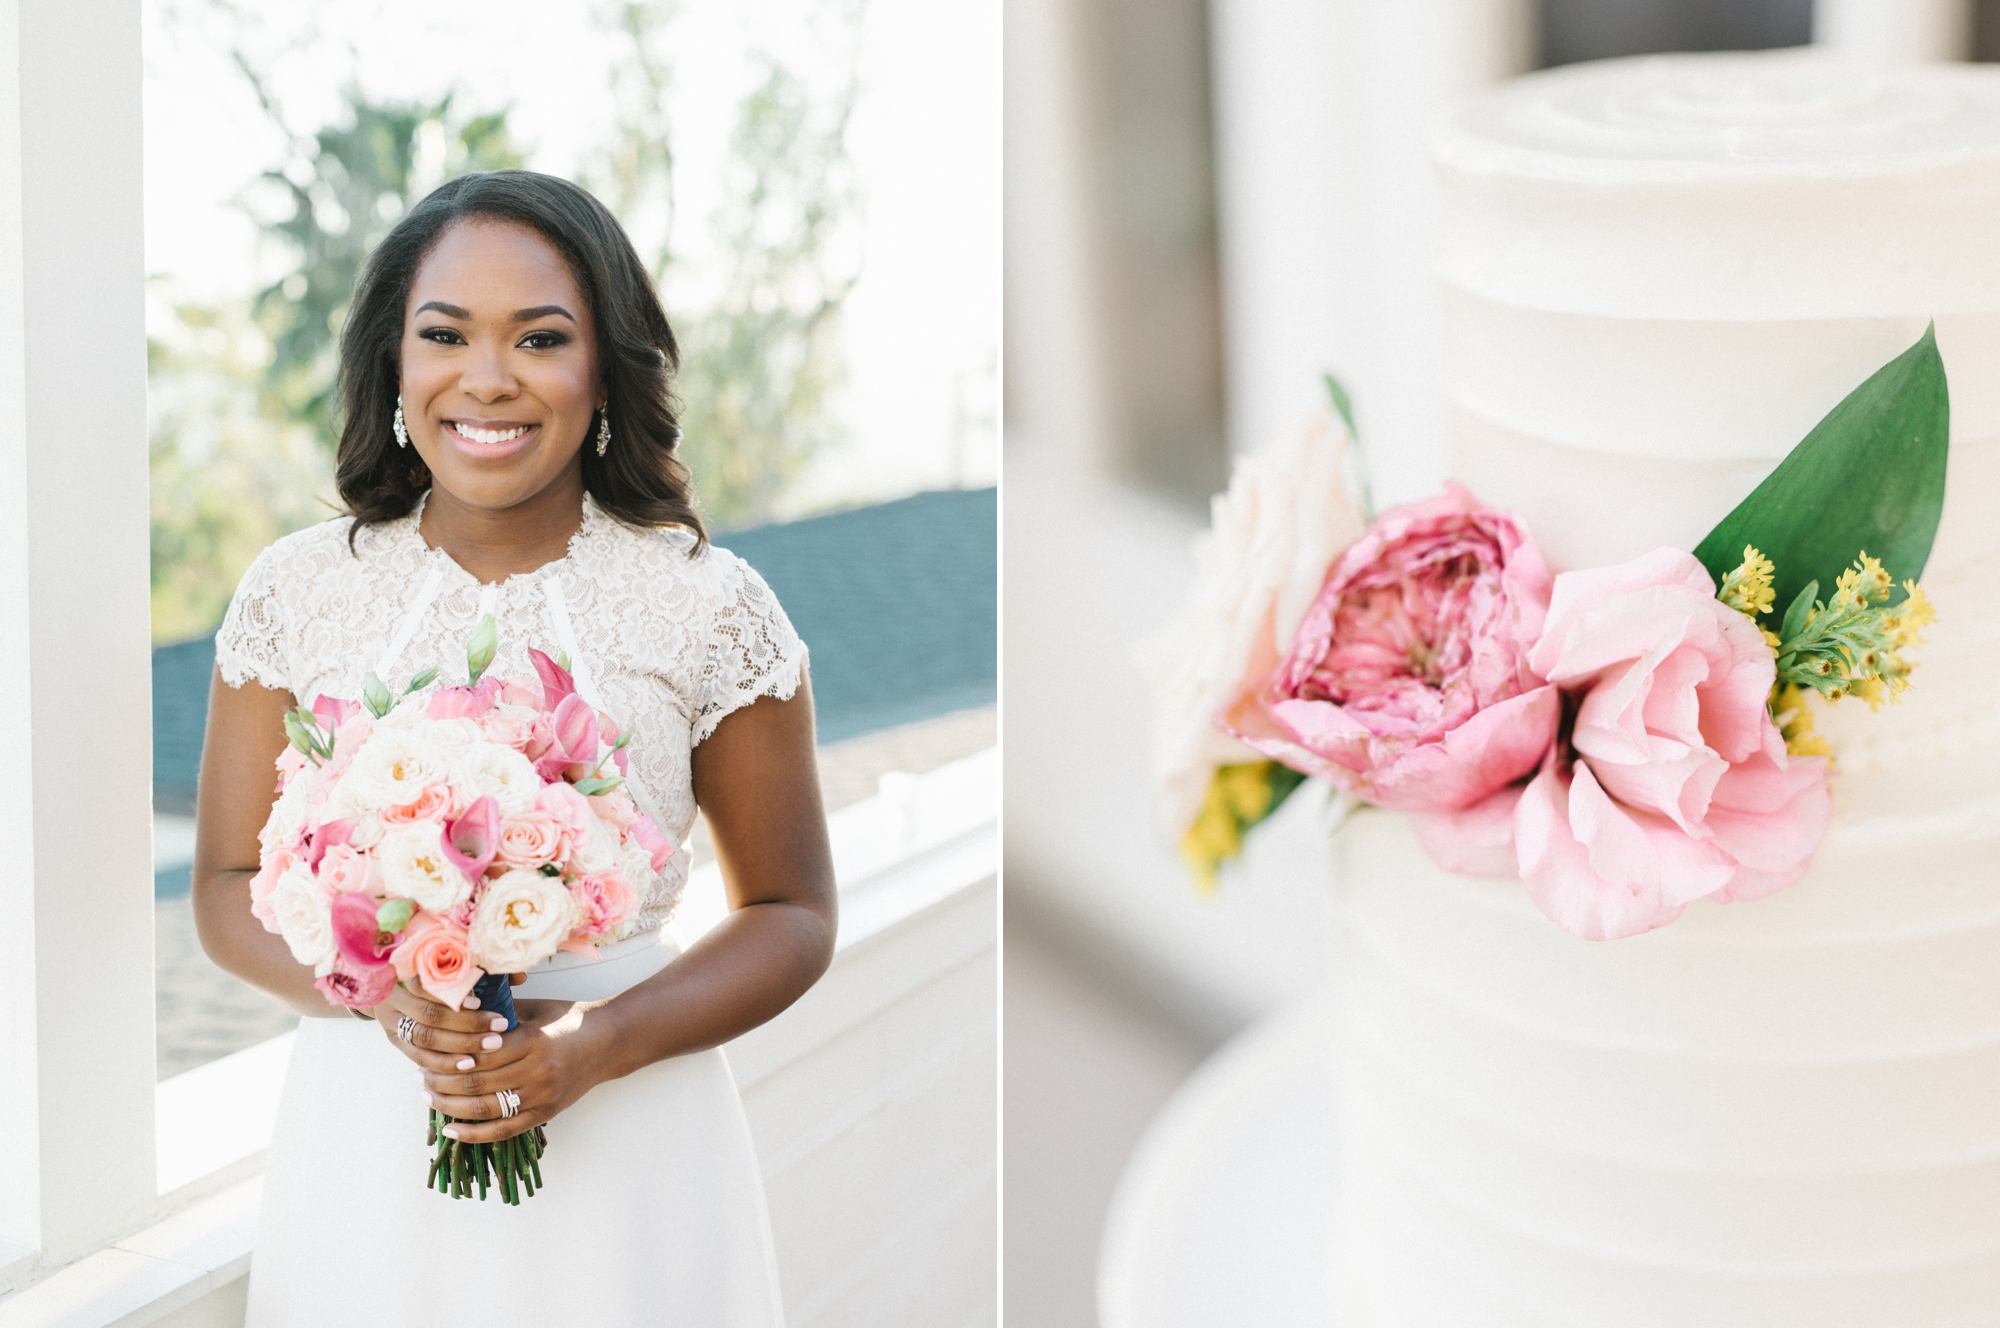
[499, 364]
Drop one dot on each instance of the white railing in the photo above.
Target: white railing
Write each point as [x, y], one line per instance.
[872, 1102]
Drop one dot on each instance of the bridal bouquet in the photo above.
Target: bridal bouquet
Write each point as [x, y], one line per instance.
[1624, 740]
[446, 838]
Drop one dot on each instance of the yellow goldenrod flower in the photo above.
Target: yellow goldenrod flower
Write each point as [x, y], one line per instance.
[1238, 797]
[1793, 716]
[1747, 588]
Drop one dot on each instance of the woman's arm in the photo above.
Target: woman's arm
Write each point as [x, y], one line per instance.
[246, 731]
[756, 779]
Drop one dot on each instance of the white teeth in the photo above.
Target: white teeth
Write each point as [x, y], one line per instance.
[490, 435]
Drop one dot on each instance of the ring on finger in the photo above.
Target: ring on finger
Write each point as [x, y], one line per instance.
[406, 1027]
[510, 1102]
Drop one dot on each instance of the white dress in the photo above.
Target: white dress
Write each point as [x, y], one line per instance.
[653, 1211]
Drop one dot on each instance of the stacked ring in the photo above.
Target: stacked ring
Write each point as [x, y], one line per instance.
[510, 1102]
[406, 1027]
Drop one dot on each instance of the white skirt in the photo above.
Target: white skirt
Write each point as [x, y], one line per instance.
[653, 1211]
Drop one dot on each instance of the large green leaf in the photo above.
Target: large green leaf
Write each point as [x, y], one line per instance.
[1870, 476]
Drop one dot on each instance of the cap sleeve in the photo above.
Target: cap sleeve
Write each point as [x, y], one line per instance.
[752, 650]
[250, 644]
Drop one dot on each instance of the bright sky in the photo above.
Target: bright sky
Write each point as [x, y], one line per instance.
[922, 324]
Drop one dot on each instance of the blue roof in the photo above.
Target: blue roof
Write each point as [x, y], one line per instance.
[898, 604]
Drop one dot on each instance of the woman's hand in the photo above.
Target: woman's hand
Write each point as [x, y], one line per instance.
[441, 1039]
[549, 1061]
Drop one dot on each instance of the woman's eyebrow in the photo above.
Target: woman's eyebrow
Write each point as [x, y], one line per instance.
[448, 310]
[542, 311]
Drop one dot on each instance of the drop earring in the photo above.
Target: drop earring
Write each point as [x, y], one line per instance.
[603, 429]
[396, 426]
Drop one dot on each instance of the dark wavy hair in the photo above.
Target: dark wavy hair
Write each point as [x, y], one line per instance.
[640, 480]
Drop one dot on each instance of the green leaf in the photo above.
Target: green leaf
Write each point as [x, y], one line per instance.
[1341, 401]
[590, 788]
[1869, 477]
[1795, 616]
[479, 650]
[375, 695]
[422, 680]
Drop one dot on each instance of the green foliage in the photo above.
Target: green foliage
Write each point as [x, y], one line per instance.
[1869, 477]
[761, 362]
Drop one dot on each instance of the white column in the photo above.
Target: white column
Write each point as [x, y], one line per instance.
[1327, 206]
[1895, 30]
[76, 912]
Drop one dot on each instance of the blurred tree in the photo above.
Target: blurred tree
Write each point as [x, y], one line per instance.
[339, 192]
[759, 324]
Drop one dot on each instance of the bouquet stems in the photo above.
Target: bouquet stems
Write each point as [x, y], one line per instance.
[513, 1165]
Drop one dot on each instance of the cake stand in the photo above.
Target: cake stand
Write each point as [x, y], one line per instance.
[1224, 1214]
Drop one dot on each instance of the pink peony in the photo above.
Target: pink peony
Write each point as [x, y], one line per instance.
[1673, 784]
[346, 870]
[355, 987]
[435, 954]
[530, 840]
[605, 900]
[464, 702]
[1408, 682]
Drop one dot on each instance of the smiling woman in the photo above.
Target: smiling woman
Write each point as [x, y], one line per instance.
[508, 453]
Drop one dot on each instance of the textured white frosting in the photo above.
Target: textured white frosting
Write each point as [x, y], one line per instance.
[1659, 275]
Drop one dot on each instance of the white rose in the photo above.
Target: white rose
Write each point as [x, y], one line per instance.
[636, 864]
[453, 737]
[408, 712]
[391, 769]
[304, 917]
[1274, 535]
[601, 853]
[288, 816]
[411, 863]
[490, 770]
[367, 831]
[521, 920]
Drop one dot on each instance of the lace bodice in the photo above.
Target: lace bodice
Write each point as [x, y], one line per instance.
[664, 643]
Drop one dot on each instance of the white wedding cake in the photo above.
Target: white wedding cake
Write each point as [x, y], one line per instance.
[1659, 274]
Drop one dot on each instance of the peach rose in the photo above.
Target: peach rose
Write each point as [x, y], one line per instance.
[530, 840]
[616, 807]
[435, 954]
[510, 726]
[433, 804]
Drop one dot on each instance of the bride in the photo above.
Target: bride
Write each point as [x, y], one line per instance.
[508, 448]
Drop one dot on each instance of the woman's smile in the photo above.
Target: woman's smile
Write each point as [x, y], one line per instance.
[489, 441]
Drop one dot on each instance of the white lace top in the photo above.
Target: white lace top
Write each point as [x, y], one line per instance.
[664, 643]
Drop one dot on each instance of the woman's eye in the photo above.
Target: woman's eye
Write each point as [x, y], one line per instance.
[443, 336]
[543, 340]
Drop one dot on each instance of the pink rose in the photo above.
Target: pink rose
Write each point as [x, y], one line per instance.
[529, 840]
[1408, 682]
[521, 692]
[346, 870]
[605, 899]
[571, 812]
[276, 862]
[435, 954]
[509, 726]
[435, 803]
[464, 702]
[616, 806]
[1674, 784]
[355, 987]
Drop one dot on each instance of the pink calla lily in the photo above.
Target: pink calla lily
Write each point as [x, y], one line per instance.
[471, 841]
[658, 845]
[358, 935]
[557, 685]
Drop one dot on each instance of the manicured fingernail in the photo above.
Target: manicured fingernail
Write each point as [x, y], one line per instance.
[464, 1063]
[491, 1042]
[472, 1002]
[431, 1098]
[499, 1024]
[451, 1132]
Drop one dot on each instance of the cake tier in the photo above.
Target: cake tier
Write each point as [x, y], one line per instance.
[1659, 275]
[1774, 1113]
